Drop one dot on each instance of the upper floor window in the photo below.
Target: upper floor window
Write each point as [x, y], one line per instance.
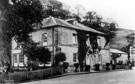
[99, 41]
[87, 40]
[44, 39]
[74, 38]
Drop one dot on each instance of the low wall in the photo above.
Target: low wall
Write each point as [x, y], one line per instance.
[28, 75]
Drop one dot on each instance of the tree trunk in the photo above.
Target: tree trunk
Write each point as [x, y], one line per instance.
[5, 42]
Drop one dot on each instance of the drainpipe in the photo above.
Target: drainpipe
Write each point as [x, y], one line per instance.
[53, 46]
[52, 56]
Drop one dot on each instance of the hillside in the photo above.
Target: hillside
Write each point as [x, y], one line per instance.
[120, 40]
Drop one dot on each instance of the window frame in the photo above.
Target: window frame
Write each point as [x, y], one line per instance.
[15, 58]
[74, 38]
[44, 39]
[75, 57]
[21, 58]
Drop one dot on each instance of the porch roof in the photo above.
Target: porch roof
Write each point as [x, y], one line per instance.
[55, 22]
[117, 51]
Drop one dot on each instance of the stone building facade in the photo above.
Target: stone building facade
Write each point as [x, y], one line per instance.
[64, 36]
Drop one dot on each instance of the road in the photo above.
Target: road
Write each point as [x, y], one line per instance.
[113, 77]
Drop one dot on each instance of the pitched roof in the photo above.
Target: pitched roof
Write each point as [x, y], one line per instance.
[116, 51]
[55, 22]
[87, 28]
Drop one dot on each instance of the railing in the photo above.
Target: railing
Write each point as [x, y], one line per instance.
[16, 77]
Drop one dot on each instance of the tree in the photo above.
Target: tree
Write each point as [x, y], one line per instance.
[82, 48]
[36, 54]
[114, 57]
[20, 18]
[126, 49]
[60, 57]
[95, 21]
[39, 54]
[55, 9]
[4, 52]
[131, 40]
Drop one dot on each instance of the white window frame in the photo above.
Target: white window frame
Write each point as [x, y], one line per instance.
[74, 38]
[99, 41]
[44, 39]
[21, 59]
[15, 57]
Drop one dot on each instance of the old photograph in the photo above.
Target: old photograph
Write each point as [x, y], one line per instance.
[67, 42]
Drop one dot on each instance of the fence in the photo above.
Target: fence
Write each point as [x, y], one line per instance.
[28, 75]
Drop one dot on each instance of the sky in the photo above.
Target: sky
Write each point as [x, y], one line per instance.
[121, 11]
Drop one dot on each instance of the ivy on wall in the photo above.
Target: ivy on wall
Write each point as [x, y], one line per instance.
[81, 35]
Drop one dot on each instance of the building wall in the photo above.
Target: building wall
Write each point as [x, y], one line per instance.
[65, 41]
[69, 51]
[64, 36]
[67, 45]
[123, 58]
[37, 36]
[105, 51]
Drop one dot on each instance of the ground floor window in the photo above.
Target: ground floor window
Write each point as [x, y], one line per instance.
[18, 58]
[21, 58]
[15, 58]
[74, 57]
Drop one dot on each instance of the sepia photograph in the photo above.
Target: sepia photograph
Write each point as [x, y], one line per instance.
[67, 42]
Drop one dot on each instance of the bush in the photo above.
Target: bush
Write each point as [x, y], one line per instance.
[113, 66]
[32, 65]
[65, 65]
[60, 57]
[76, 65]
[107, 66]
[40, 54]
[97, 67]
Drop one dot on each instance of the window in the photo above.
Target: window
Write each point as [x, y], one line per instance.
[98, 41]
[44, 39]
[15, 58]
[74, 38]
[74, 57]
[21, 58]
[87, 40]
